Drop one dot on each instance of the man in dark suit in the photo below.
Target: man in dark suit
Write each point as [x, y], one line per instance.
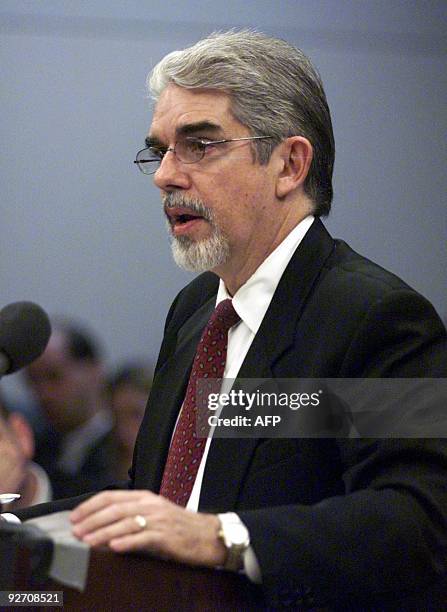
[242, 149]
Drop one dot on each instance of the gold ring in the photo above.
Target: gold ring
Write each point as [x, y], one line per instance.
[140, 521]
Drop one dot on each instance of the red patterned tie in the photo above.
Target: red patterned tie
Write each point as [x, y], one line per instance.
[186, 449]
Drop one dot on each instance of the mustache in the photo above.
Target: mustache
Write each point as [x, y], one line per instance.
[177, 200]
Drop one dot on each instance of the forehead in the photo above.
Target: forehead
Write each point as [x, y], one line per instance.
[57, 346]
[178, 108]
[56, 355]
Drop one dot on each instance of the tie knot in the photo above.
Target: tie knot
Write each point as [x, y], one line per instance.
[224, 316]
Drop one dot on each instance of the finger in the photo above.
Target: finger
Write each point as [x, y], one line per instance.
[103, 536]
[134, 542]
[101, 500]
[106, 516]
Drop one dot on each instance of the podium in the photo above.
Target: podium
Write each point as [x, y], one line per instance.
[142, 583]
[127, 582]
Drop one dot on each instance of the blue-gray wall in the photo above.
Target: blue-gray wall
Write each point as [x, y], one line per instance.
[81, 229]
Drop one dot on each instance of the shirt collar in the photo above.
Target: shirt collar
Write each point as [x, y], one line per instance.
[252, 299]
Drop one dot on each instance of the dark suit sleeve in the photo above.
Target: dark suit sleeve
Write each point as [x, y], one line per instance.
[59, 505]
[385, 535]
[55, 506]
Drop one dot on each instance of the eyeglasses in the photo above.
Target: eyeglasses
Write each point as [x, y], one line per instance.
[188, 150]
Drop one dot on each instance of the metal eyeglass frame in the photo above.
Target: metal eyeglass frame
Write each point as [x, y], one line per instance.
[201, 150]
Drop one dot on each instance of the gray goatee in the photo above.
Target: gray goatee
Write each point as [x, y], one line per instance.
[197, 255]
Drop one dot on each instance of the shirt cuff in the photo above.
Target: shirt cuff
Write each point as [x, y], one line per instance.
[251, 565]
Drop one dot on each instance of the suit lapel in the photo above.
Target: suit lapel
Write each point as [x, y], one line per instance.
[277, 331]
[229, 459]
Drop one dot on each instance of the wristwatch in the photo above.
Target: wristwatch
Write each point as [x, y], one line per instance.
[236, 539]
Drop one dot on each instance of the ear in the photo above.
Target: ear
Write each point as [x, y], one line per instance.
[296, 155]
[23, 433]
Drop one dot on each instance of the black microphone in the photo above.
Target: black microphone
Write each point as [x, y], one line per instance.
[24, 333]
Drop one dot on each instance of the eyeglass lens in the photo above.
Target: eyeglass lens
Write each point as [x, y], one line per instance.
[188, 151]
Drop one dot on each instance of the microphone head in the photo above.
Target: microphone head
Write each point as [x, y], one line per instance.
[24, 333]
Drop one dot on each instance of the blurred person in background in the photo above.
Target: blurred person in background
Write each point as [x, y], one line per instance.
[129, 389]
[18, 473]
[68, 382]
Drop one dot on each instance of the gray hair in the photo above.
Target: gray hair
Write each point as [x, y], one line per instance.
[274, 90]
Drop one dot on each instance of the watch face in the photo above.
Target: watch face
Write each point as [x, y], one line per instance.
[238, 534]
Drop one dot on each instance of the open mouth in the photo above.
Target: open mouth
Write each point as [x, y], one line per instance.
[183, 219]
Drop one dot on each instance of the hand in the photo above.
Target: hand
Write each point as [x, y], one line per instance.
[12, 461]
[172, 532]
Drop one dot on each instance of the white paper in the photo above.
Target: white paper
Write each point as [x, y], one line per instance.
[71, 557]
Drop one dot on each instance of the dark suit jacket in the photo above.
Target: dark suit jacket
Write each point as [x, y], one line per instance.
[333, 522]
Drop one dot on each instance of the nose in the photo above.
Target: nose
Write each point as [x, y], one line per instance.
[171, 173]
